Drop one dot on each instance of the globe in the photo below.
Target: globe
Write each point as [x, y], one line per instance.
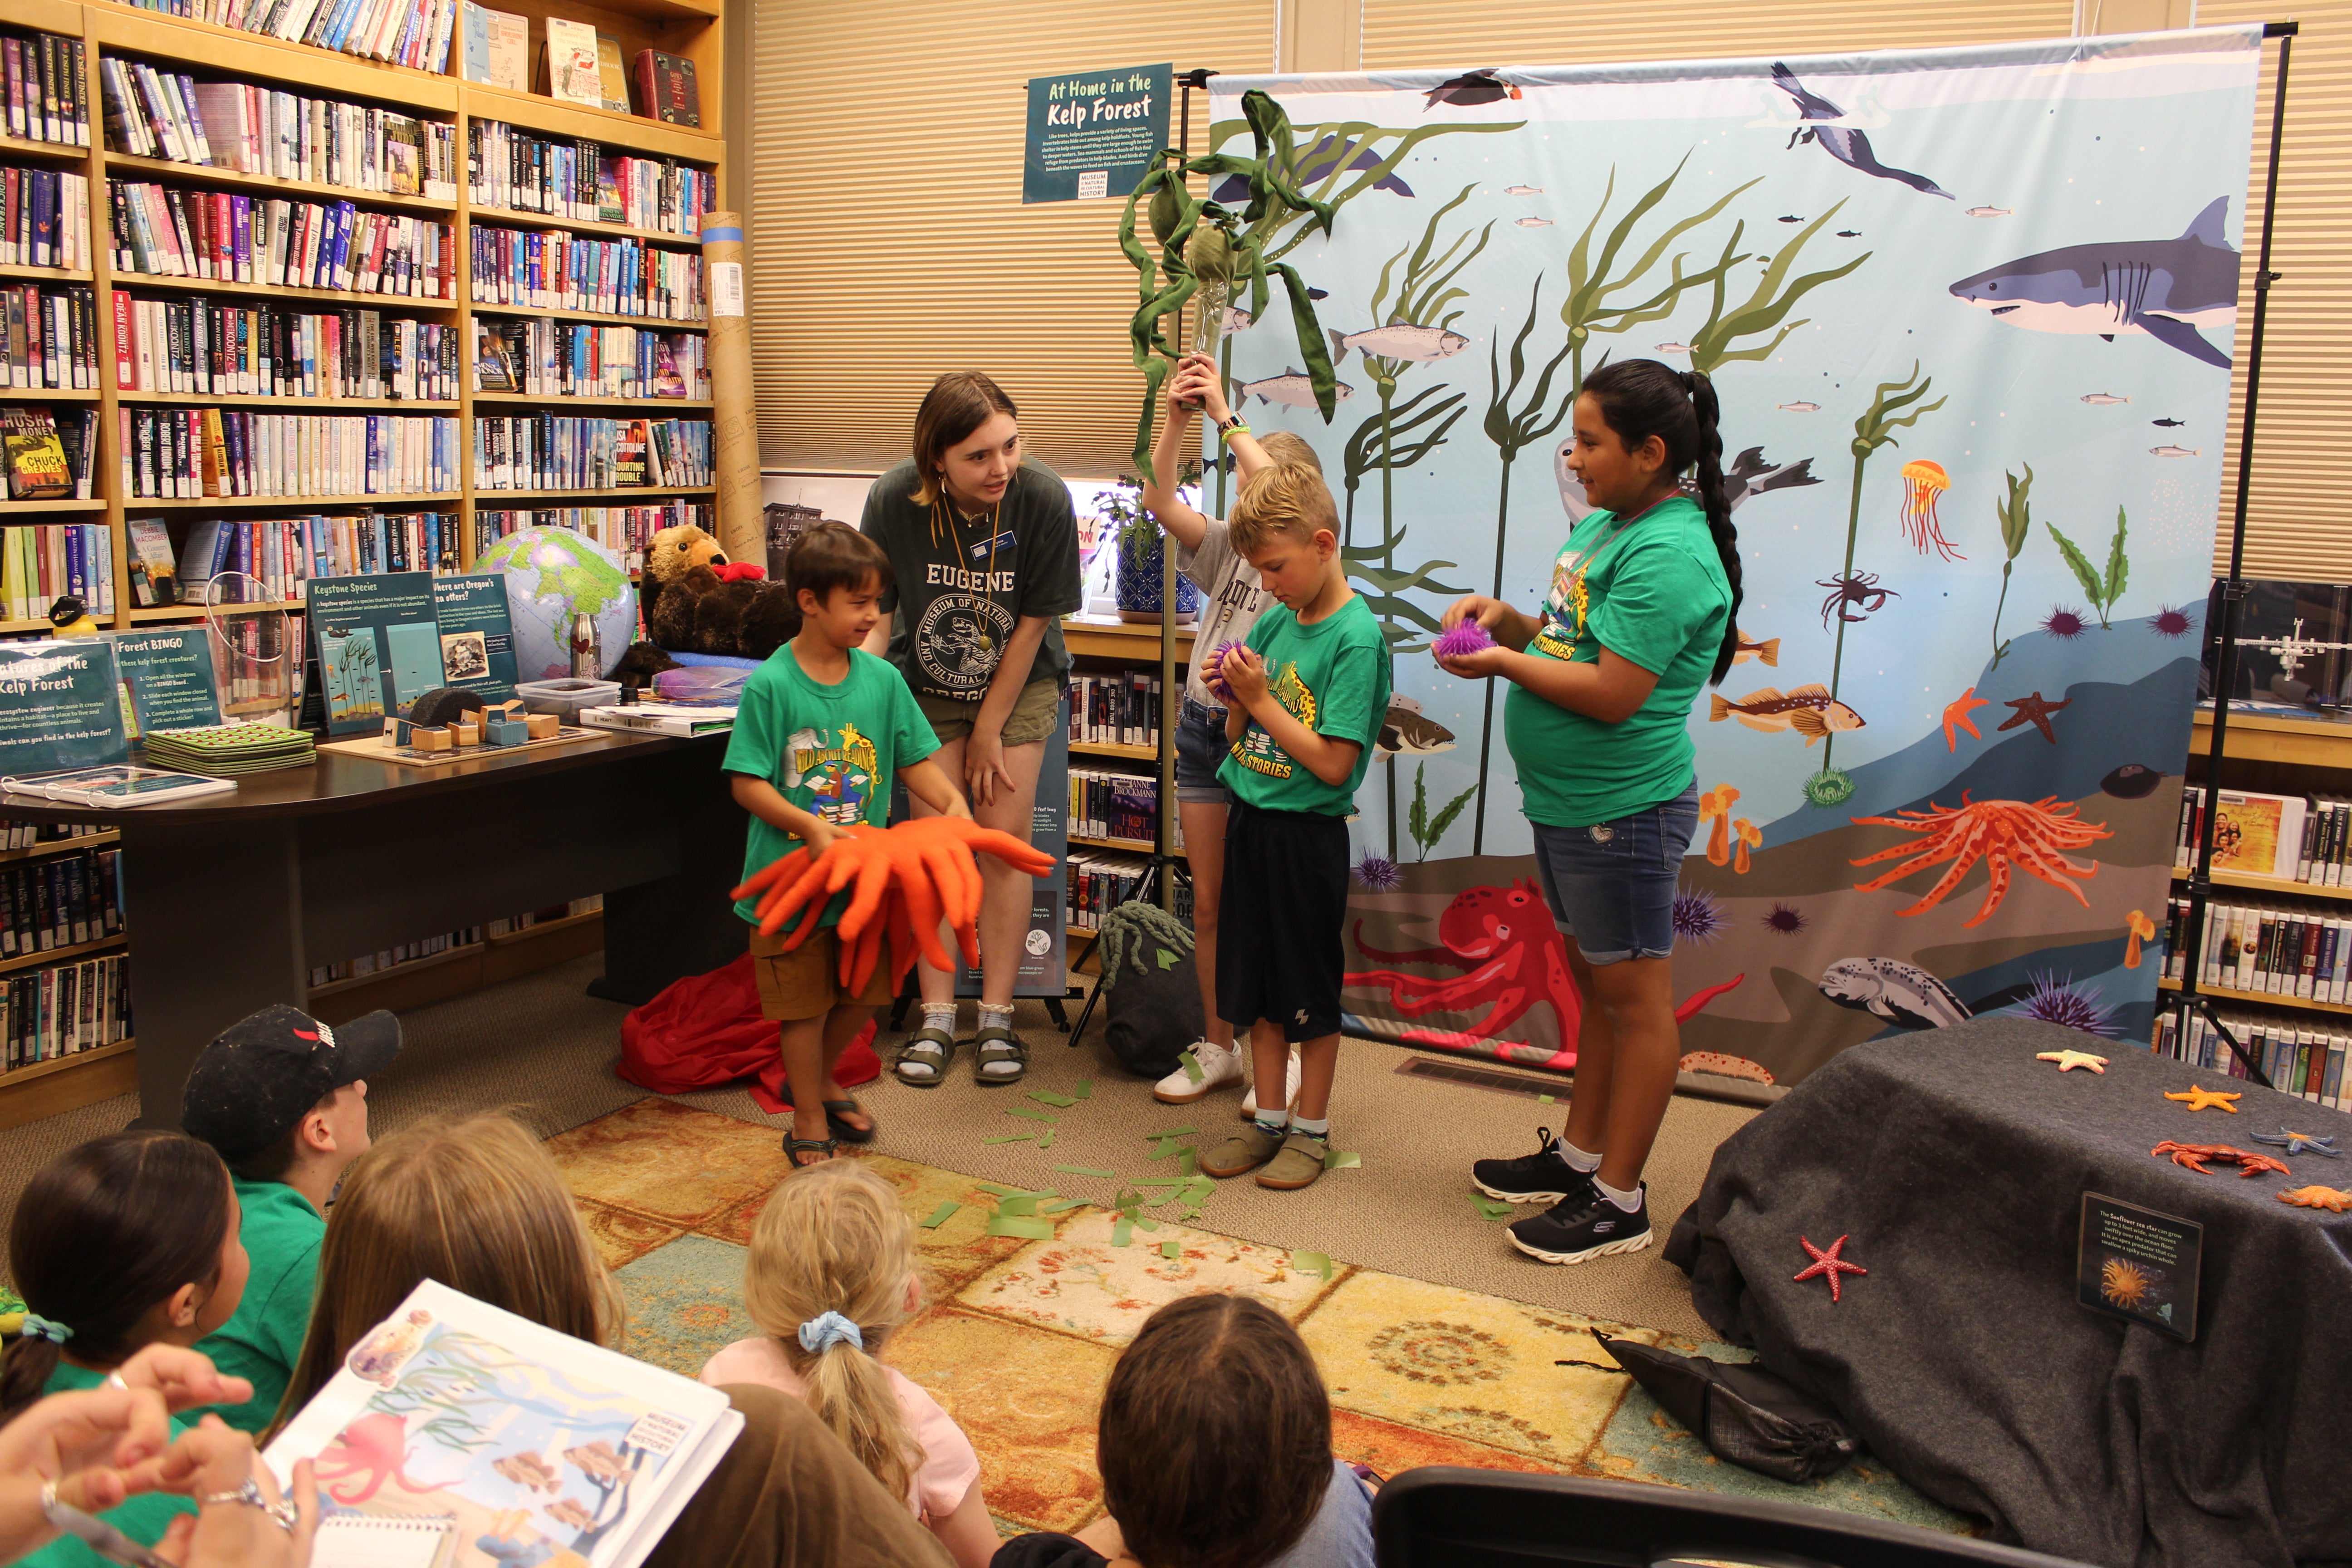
[553, 576]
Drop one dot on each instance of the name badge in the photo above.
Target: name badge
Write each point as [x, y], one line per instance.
[989, 546]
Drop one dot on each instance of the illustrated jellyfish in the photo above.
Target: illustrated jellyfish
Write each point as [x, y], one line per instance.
[1923, 481]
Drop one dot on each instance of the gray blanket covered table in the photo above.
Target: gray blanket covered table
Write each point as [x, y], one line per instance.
[1958, 1164]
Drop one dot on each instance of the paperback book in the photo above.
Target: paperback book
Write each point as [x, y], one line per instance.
[497, 47]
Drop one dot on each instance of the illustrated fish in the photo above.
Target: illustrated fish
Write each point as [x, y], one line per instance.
[1752, 473]
[1292, 387]
[1849, 234]
[1843, 143]
[1990, 212]
[2176, 451]
[1674, 347]
[1799, 408]
[1398, 340]
[1898, 991]
[2164, 288]
[1533, 222]
[1331, 156]
[1767, 651]
[1522, 190]
[2169, 424]
[1468, 89]
[2102, 399]
[1786, 217]
[1404, 728]
[1809, 711]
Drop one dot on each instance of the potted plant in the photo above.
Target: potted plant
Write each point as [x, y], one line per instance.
[1140, 560]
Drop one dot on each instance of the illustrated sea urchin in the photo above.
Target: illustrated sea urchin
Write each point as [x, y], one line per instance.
[1377, 874]
[1469, 637]
[1697, 917]
[2065, 624]
[1786, 918]
[2126, 1283]
[2172, 621]
[2072, 1006]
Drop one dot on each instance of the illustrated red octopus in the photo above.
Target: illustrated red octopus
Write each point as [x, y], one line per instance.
[1513, 958]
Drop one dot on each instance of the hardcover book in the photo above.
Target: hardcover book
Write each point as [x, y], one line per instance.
[665, 89]
[37, 469]
[612, 76]
[573, 74]
[496, 48]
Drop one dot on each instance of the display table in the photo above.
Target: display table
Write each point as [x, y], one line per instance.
[1957, 1162]
[231, 898]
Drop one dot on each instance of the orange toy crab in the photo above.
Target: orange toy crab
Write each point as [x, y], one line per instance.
[2194, 1155]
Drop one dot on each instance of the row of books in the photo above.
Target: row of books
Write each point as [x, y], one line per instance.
[44, 219]
[2304, 1062]
[255, 130]
[52, 335]
[39, 564]
[572, 452]
[283, 554]
[548, 358]
[165, 232]
[1105, 804]
[2292, 838]
[43, 77]
[415, 33]
[49, 452]
[233, 348]
[1099, 883]
[525, 172]
[554, 269]
[1120, 709]
[193, 453]
[2273, 949]
[627, 531]
[64, 1010]
[63, 900]
[17, 833]
[432, 946]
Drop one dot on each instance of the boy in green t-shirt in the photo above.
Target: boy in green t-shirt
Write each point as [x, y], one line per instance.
[820, 732]
[282, 1098]
[1309, 689]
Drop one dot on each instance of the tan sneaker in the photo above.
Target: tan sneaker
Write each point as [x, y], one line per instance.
[1246, 1151]
[1297, 1165]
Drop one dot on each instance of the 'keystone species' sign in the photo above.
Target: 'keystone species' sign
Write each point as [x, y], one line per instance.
[1093, 134]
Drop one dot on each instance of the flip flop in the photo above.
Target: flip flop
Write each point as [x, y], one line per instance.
[795, 1147]
[846, 1131]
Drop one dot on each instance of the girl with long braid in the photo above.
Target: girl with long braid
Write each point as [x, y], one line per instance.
[1641, 614]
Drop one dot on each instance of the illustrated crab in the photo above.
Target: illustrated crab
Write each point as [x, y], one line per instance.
[1859, 589]
[2194, 1155]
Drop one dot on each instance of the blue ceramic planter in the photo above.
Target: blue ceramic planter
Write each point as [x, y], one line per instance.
[1139, 584]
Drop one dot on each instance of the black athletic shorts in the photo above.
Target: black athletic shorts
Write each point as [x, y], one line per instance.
[1279, 921]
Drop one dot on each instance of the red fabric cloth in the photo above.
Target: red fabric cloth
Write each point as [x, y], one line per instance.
[706, 1030]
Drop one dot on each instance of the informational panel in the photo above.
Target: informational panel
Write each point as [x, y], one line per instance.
[60, 706]
[167, 677]
[1093, 134]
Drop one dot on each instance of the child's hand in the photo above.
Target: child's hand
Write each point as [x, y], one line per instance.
[1200, 384]
[820, 835]
[958, 806]
[1244, 673]
[1488, 612]
[1476, 665]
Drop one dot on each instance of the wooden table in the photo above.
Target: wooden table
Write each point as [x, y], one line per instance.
[231, 898]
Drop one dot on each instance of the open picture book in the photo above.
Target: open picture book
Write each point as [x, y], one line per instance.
[457, 1435]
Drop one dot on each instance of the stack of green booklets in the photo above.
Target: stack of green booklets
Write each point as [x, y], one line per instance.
[226, 751]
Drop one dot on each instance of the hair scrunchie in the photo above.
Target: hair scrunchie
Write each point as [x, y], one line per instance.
[36, 1327]
[827, 1330]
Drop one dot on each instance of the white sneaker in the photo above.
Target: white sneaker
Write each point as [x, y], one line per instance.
[1218, 1067]
[1290, 1094]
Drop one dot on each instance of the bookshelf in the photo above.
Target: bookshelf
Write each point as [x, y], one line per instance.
[1100, 646]
[693, 30]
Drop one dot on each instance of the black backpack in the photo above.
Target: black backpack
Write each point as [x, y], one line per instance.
[1151, 993]
[1742, 1412]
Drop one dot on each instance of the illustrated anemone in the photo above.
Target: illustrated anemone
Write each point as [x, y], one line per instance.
[2072, 1006]
[1831, 786]
[1467, 638]
[2065, 623]
[2172, 621]
[1697, 917]
[1786, 918]
[1377, 874]
[1216, 683]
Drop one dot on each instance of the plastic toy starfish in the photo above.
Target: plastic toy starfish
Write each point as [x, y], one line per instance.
[2036, 712]
[2192, 1156]
[2296, 1142]
[1825, 1260]
[1955, 716]
[2069, 1060]
[2318, 1198]
[2201, 1098]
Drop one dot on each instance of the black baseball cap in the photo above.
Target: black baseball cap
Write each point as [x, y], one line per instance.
[262, 1075]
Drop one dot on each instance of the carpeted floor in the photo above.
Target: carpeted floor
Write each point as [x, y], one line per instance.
[1437, 1339]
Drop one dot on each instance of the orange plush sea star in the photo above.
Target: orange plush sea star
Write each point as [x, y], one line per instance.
[2201, 1099]
[2318, 1198]
[1955, 716]
[1997, 832]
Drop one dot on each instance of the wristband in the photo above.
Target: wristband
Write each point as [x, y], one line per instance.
[1236, 426]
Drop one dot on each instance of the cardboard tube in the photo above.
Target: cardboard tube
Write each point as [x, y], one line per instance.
[735, 431]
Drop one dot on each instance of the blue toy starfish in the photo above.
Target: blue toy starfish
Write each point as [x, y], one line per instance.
[2301, 1143]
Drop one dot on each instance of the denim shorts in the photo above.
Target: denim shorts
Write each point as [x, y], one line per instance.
[1201, 749]
[1612, 886]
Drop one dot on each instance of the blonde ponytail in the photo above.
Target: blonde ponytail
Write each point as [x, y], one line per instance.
[832, 1261]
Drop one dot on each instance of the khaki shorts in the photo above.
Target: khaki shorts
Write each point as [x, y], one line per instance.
[806, 981]
[1034, 713]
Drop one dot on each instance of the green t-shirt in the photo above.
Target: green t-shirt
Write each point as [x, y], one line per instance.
[144, 1518]
[830, 750]
[1654, 593]
[1333, 676]
[281, 1233]
[959, 584]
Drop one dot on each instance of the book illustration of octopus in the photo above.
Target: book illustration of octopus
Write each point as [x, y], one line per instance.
[2194, 1155]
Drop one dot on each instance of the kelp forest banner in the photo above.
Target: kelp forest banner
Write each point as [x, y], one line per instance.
[1970, 314]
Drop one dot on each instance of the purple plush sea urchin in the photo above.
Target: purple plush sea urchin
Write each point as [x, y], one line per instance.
[1469, 637]
[2172, 621]
[1377, 874]
[1216, 683]
[2065, 624]
[2074, 1007]
[1696, 916]
[1786, 918]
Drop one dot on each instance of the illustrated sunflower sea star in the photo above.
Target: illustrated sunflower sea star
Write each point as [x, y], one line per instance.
[1955, 716]
[2036, 712]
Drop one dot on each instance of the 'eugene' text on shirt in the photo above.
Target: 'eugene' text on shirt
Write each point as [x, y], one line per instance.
[940, 575]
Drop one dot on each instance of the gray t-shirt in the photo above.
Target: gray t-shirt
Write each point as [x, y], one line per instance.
[1235, 600]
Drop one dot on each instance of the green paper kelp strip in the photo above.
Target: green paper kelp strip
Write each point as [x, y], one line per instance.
[1048, 1140]
[1186, 1216]
[1543, 1100]
[999, 1191]
[1121, 1230]
[1026, 1227]
[1082, 1090]
[1184, 1131]
[1147, 1222]
[940, 1215]
[1047, 1097]
[1011, 1138]
[1089, 1171]
[1492, 1210]
[1198, 1188]
[1170, 1196]
[1032, 1115]
[1171, 1250]
[1021, 1205]
[1315, 1263]
[1341, 1159]
[1192, 1066]
[1189, 1159]
[1060, 1205]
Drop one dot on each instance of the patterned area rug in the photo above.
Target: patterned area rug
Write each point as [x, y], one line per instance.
[1019, 1334]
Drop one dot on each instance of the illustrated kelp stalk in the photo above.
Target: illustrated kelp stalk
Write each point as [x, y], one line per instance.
[2102, 591]
[1513, 432]
[1427, 831]
[1587, 310]
[1766, 306]
[2016, 512]
[1896, 405]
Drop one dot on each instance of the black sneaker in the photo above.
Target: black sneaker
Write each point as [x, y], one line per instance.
[1542, 1178]
[1584, 1225]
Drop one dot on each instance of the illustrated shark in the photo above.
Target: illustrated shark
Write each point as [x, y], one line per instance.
[2164, 288]
[1750, 475]
[1843, 143]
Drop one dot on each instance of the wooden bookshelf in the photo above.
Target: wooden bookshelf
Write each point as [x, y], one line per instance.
[45, 274]
[10, 509]
[69, 954]
[56, 152]
[2229, 993]
[48, 395]
[2272, 885]
[47, 848]
[67, 1083]
[268, 404]
[125, 165]
[600, 318]
[342, 298]
[550, 401]
[488, 500]
[1114, 749]
[511, 218]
